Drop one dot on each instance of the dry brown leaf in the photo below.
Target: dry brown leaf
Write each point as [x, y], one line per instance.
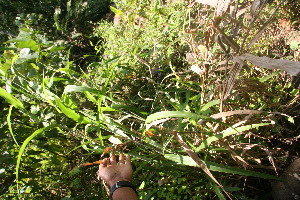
[163, 181]
[220, 5]
[242, 11]
[196, 158]
[191, 57]
[291, 67]
[233, 74]
[236, 157]
[208, 2]
[223, 68]
[235, 112]
[270, 157]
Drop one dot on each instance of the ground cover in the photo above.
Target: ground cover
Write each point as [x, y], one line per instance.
[172, 83]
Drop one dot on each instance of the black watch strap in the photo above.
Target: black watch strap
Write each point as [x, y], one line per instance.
[120, 184]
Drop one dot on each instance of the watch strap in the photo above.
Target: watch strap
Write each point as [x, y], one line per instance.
[120, 184]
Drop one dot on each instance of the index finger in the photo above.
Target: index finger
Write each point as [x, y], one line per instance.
[103, 164]
[128, 161]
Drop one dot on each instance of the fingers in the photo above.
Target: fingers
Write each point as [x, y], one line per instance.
[113, 159]
[103, 163]
[121, 159]
[128, 161]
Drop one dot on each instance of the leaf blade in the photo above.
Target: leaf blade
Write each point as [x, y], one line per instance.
[11, 99]
[227, 132]
[71, 113]
[186, 160]
[25, 143]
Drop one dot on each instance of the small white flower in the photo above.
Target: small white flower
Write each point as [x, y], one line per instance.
[196, 69]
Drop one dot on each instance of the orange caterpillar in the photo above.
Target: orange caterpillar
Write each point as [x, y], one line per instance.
[106, 150]
[93, 163]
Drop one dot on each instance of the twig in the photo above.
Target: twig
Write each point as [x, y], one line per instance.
[195, 157]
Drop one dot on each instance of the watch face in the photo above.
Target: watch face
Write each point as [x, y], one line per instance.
[120, 184]
[123, 183]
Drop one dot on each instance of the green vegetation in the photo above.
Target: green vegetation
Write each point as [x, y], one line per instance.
[162, 78]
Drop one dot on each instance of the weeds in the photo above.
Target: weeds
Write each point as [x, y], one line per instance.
[166, 90]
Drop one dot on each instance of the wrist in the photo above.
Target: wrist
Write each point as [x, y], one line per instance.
[122, 186]
[112, 182]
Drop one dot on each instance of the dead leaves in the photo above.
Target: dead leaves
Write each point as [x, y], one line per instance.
[235, 112]
[220, 5]
[291, 67]
[196, 158]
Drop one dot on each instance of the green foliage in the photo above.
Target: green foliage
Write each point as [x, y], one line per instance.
[147, 34]
[11, 99]
[58, 113]
[185, 160]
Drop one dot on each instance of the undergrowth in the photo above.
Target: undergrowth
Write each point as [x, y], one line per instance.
[163, 86]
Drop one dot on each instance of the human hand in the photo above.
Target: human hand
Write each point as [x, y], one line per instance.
[111, 171]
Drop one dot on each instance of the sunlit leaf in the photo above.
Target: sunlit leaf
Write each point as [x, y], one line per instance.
[228, 132]
[170, 114]
[263, 79]
[291, 119]
[210, 104]
[71, 113]
[90, 97]
[25, 55]
[152, 119]
[25, 43]
[114, 140]
[56, 48]
[103, 109]
[115, 10]
[186, 160]
[11, 99]
[75, 88]
[25, 143]
[9, 124]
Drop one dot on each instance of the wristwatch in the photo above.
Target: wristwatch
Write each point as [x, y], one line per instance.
[120, 184]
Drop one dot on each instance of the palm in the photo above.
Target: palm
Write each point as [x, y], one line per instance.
[110, 172]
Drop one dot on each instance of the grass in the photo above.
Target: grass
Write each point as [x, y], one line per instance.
[165, 85]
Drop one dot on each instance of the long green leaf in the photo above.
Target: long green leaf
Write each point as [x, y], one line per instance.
[186, 160]
[46, 94]
[168, 114]
[210, 104]
[218, 191]
[71, 113]
[11, 99]
[9, 124]
[265, 78]
[116, 11]
[90, 97]
[25, 143]
[227, 132]
[157, 117]
[75, 88]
